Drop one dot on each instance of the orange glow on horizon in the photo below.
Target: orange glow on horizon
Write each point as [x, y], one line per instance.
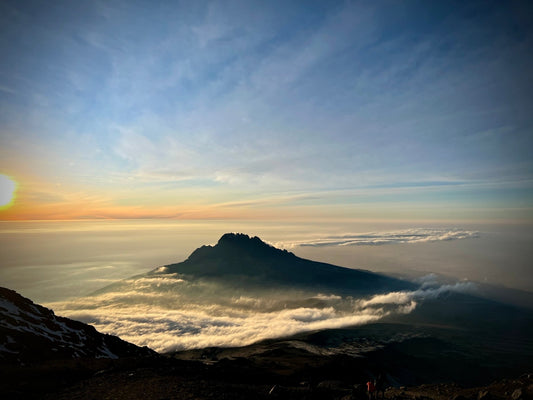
[40, 200]
[79, 212]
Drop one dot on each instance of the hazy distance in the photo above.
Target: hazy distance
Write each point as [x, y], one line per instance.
[53, 261]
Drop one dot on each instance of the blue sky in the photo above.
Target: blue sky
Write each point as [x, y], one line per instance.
[233, 109]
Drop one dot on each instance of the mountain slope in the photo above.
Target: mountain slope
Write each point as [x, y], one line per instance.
[240, 259]
[30, 332]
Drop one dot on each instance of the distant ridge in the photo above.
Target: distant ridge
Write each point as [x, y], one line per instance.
[243, 260]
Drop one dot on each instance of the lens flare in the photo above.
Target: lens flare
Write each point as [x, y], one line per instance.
[7, 191]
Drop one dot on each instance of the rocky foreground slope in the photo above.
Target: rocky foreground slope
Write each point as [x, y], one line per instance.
[179, 380]
[32, 333]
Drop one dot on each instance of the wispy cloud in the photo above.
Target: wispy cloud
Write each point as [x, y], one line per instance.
[406, 298]
[407, 236]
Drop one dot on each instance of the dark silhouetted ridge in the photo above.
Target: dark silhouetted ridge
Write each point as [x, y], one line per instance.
[245, 243]
[231, 244]
[243, 260]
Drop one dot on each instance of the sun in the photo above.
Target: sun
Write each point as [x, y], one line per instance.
[7, 191]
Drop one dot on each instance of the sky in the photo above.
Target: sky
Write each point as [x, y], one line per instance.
[409, 110]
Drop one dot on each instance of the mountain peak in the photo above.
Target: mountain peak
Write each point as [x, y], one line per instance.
[241, 259]
[239, 245]
[238, 238]
[246, 243]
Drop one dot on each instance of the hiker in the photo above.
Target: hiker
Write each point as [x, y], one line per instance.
[371, 388]
[380, 386]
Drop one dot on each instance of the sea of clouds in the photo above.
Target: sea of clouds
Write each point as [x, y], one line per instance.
[166, 312]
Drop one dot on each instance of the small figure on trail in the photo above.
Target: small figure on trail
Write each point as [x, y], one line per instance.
[371, 388]
[380, 386]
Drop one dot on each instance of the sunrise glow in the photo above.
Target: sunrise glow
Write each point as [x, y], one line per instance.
[7, 191]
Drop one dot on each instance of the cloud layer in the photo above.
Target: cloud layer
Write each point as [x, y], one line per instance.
[168, 313]
[417, 235]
